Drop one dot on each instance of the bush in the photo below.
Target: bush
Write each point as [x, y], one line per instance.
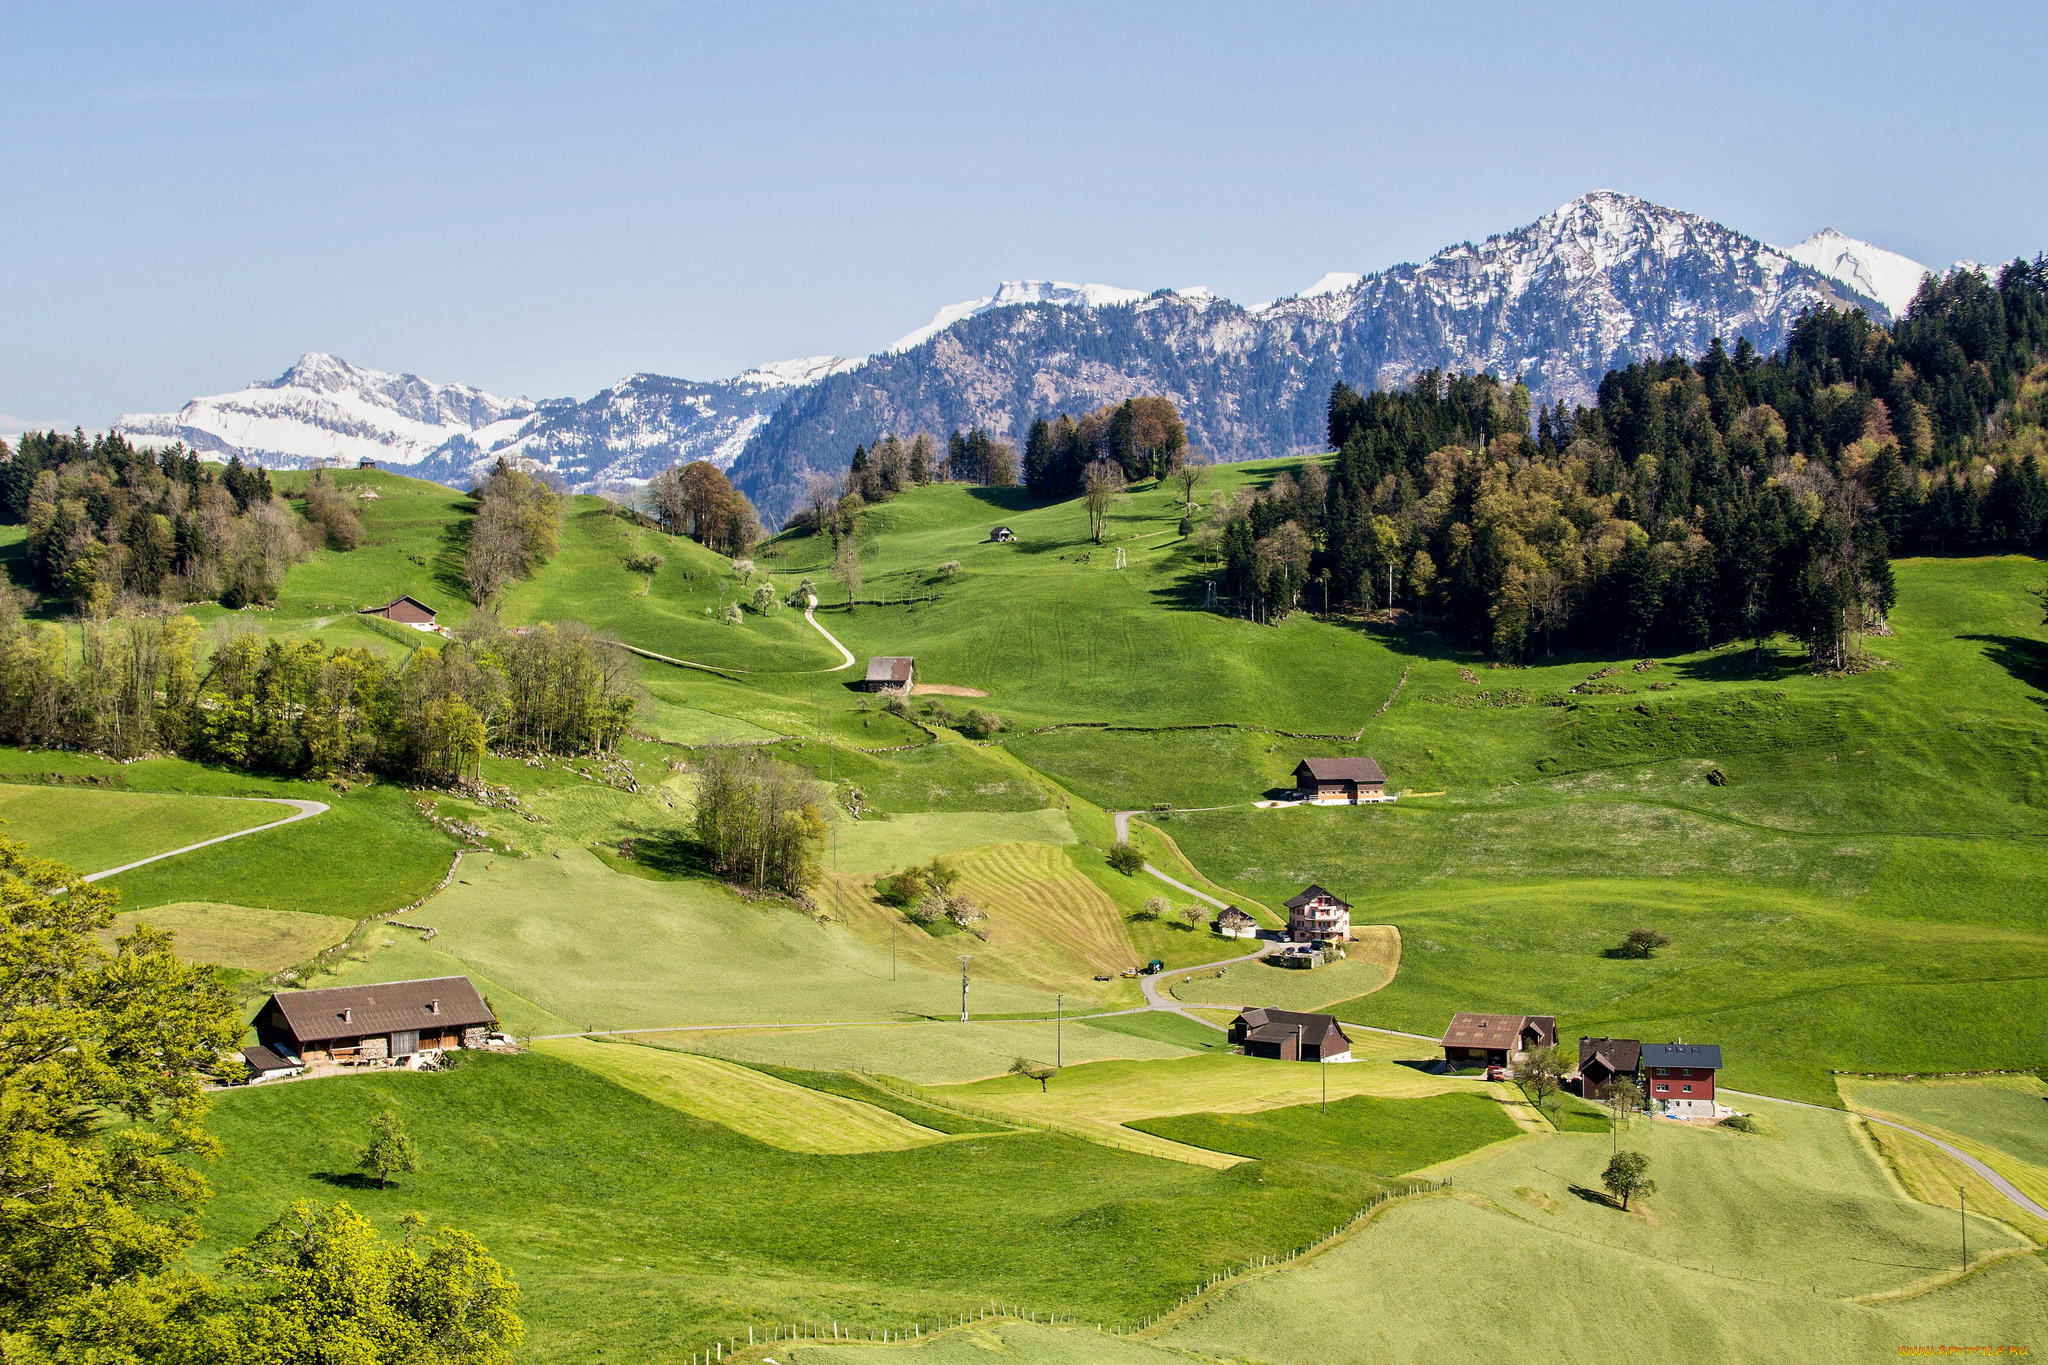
[980, 724]
[949, 568]
[1640, 943]
[645, 562]
[1741, 1123]
[1126, 859]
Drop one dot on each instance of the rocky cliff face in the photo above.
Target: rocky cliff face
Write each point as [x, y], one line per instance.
[1605, 280]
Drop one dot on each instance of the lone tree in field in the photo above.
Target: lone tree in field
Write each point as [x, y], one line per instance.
[1036, 1071]
[1155, 906]
[1627, 1176]
[1126, 859]
[1192, 915]
[846, 568]
[1540, 1071]
[1640, 943]
[1624, 1097]
[1189, 473]
[1102, 483]
[391, 1151]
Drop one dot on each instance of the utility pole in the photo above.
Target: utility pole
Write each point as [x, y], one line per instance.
[1962, 1207]
[965, 958]
[1059, 1037]
[1324, 1067]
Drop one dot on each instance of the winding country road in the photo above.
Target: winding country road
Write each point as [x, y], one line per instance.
[301, 810]
[1993, 1178]
[845, 655]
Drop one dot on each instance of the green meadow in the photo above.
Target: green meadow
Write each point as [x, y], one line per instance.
[1850, 869]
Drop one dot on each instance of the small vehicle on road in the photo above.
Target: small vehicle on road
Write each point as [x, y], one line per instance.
[1154, 967]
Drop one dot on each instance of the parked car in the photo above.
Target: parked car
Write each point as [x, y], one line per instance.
[1154, 967]
[1496, 1073]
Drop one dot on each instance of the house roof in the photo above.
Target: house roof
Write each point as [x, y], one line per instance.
[1616, 1054]
[261, 1059]
[1342, 769]
[1703, 1055]
[403, 597]
[1231, 914]
[356, 1011]
[1312, 891]
[1273, 1026]
[890, 668]
[1497, 1030]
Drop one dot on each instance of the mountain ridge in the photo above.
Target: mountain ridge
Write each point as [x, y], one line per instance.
[1602, 280]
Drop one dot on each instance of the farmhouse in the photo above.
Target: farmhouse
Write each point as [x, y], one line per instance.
[1316, 916]
[888, 670]
[1232, 922]
[384, 1022]
[1002, 535]
[1287, 1036]
[1681, 1077]
[407, 611]
[1339, 781]
[1496, 1039]
[366, 463]
[1603, 1061]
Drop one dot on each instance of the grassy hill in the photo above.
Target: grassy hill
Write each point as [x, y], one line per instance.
[1850, 869]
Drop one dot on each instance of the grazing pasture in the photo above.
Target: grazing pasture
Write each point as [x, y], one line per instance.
[238, 936]
[628, 1220]
[93, 829]
[940, 1053]
[1805, 1223]
[752, 1103]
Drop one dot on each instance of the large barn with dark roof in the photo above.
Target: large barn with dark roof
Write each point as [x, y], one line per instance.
[387, 1021]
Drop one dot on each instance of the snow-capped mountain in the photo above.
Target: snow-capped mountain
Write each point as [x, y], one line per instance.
[1053, 292]
[324, 408]
[1872, 271]
[1604, 280]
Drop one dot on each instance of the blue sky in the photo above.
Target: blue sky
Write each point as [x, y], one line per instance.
[540, 200]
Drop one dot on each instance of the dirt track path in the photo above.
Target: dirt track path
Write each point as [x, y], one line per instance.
[302, 810]
[846, 659]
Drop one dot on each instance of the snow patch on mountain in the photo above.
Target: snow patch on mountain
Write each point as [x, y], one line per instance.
[1011, 292]
[1883, 275]
[325, 409]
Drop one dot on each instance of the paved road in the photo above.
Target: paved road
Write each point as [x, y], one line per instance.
[1993, 1178]
[301, 810]
[1123, 836]
[844, 652]
[1155, 1001]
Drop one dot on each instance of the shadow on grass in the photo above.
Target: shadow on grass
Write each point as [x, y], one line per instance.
[348, 1180]
[446, 566]
[2026, 660]
[660, 855]
[1600, 1197]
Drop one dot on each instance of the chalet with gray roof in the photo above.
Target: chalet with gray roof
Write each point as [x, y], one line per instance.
[1339, 781]
[1679, 1079]
[1288, 1036]
[387, 1021]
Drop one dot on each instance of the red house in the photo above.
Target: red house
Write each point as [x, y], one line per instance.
[1679, 1078]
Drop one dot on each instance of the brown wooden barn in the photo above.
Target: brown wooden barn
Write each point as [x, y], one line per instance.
[387, 1021]
[1496, 1039]
[1287, 1036]
[1339, 781]
[1603, 1061]
[407, 611]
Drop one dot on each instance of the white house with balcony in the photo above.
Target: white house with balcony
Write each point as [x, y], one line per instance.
[1316, 916]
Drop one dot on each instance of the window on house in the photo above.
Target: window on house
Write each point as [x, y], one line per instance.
[1686, 1088]
[1662, 1071]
